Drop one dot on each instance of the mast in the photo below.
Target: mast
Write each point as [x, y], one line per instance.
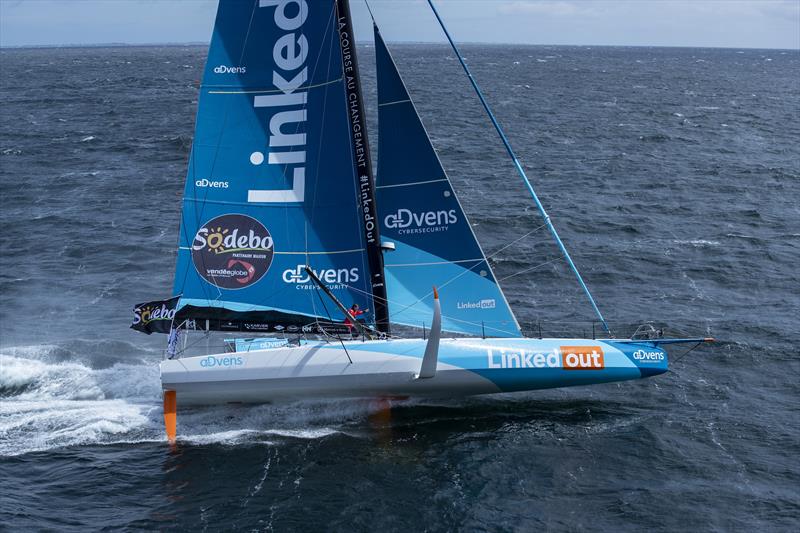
[365, 180]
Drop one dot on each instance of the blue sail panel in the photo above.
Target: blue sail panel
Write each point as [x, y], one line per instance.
[471, 303]
[420, 213]
[271, 184]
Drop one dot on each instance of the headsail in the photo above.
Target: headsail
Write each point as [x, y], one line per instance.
[271, 185]
[420, 213]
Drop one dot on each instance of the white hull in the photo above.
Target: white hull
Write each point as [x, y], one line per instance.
[387, 369]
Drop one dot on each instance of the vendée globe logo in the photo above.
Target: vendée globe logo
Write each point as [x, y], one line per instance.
[224, 69]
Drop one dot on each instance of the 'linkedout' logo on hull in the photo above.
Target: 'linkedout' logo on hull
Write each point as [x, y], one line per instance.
[408, 222]
[566, 358]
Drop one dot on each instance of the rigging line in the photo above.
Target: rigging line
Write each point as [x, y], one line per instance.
[529, 269]
[512, 243]
[412, 183]
[684, 354]
[453, 279]
[520, 170]
[432, 263]
[482, 324]
[395, 102]
[394, 302]
[331, 319]
[466, 270]
[369, 8]
[278, 91]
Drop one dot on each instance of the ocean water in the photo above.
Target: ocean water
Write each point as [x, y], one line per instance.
[673, 176]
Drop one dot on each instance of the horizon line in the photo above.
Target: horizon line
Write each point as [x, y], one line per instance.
[370, 42]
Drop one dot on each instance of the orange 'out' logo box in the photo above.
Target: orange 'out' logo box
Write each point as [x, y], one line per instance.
[582, 357]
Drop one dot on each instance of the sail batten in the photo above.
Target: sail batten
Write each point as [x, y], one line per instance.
[421, 214]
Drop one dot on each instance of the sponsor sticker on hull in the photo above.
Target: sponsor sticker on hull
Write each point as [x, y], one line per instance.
[582, 357]
[648, 357]
[565, 358]
[213, 361]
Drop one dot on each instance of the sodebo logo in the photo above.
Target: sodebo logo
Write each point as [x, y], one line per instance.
[566, 357]
[211, 362]
[331, 276]
[407, 221]
[223, 69]
[643, 356]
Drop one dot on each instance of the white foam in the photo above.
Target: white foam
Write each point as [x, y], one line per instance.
[49, 405]
[29, 426]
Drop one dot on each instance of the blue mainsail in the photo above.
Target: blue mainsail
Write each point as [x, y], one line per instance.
[272, 184]
[420, 213]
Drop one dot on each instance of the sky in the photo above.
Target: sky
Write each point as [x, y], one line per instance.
[708, 23]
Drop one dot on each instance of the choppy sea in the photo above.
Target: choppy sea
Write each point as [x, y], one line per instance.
[673, 175]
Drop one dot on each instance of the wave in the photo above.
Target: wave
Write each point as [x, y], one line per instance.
[49, 404]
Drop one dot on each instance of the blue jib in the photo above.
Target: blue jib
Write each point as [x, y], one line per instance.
[420, 213]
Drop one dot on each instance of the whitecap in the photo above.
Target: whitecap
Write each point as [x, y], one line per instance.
[697, 242]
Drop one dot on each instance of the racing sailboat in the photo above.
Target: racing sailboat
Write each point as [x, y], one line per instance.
[284, 226]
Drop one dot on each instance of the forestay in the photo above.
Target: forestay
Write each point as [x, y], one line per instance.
[421, 214]
[272, 184]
